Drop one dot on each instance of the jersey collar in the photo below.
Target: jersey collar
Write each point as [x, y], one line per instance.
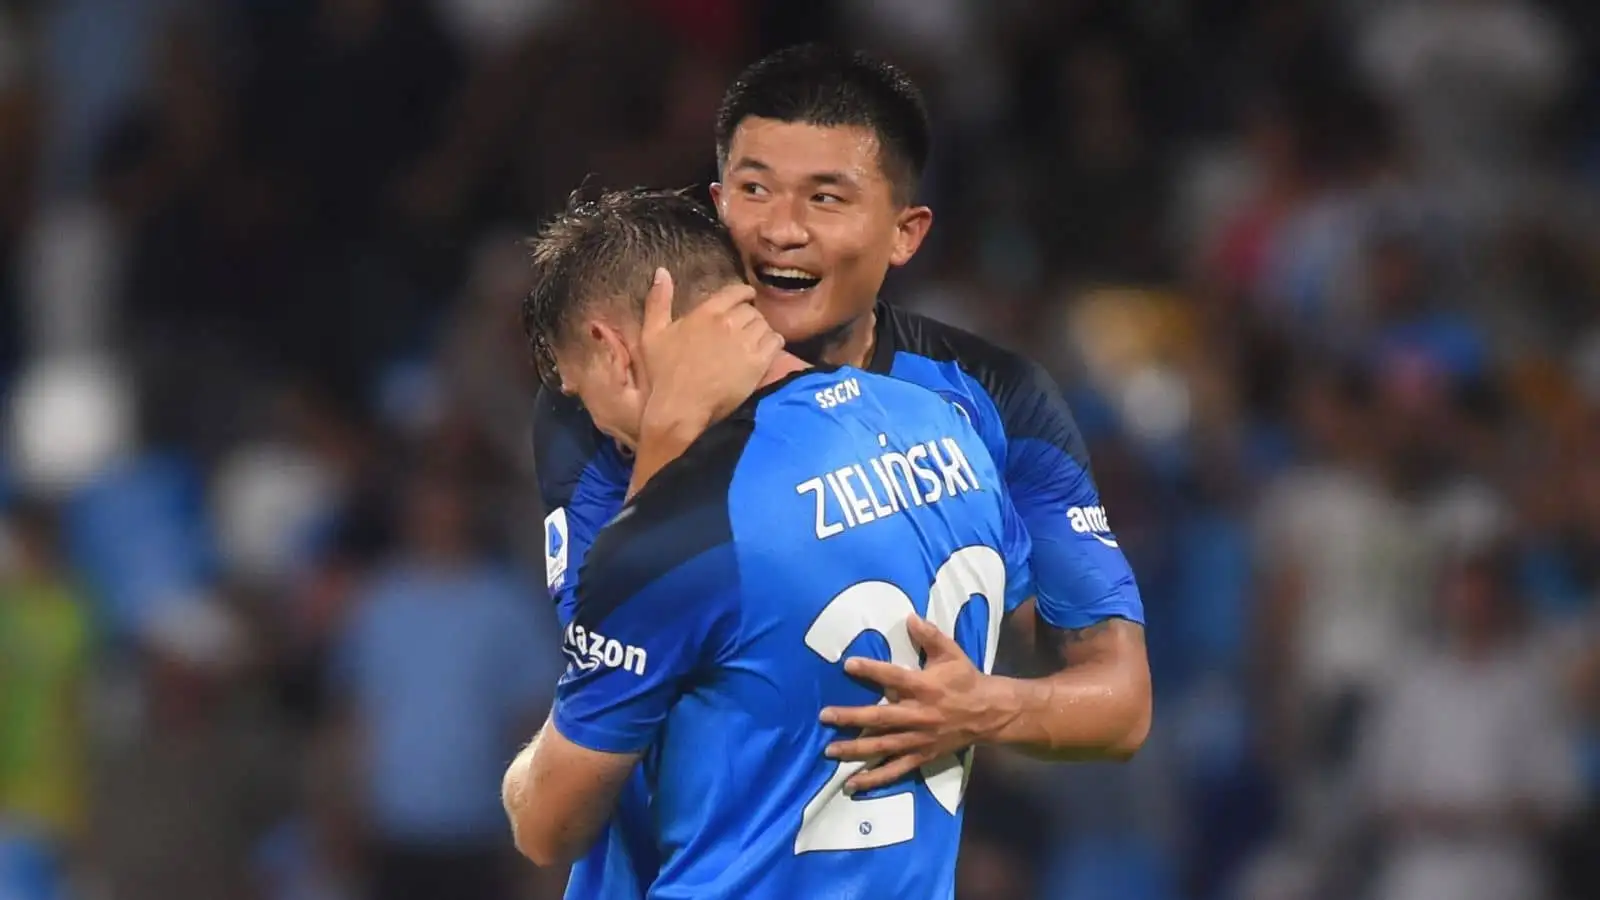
[748, 407]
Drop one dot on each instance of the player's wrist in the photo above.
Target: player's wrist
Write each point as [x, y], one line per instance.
[1004, 702]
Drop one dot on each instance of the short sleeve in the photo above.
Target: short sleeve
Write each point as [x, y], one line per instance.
[636, 644]
[1017, 547]
[657, 603]
[1080, 575]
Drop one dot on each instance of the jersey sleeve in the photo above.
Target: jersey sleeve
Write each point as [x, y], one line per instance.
[657, 607]
[582, 482]
[1017, 548]
[1080, 575]
[627, 667]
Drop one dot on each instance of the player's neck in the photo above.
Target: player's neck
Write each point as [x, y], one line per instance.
[785, 365]
[849, 344]
[858, 343]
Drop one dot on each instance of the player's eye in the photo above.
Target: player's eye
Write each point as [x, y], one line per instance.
[752, 189]
[825, 198]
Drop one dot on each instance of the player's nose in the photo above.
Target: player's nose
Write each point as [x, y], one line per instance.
[782, 228]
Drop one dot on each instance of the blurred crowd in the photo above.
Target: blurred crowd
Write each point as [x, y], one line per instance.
[1320, 279]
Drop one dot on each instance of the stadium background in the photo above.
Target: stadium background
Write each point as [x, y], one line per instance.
[1321, 279]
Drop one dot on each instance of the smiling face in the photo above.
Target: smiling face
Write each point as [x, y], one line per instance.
[817, 222]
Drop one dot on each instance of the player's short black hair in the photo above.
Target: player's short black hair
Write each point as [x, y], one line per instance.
[815, 84]
[607, 249]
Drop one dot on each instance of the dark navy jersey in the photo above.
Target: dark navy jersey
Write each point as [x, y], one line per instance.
[1080, 575]
[713, 615]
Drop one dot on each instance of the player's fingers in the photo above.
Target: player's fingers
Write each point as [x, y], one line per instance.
[658, 302]
[753, 327]
[760, 336]
[744, 316]
[929, 639]
[851, 716]
[770, 343]
[883, 674]
[869, 747]
[882, 717]
[889, 772]
[726, 299]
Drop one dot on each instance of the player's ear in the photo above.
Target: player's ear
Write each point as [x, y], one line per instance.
[612, 351]
[911, 228]
[716, 197]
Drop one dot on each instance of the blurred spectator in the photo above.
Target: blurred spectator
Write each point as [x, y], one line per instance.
[1471, 80]
[485, 359]
[1240, 197]
[1098, 211]
[45, 647]
[313, 854]
[447, 665]
[284, 495]
[180, 800]
[97, 59]
[1345, 562]
[1410, 319]
[69, 422]
[1469, 760]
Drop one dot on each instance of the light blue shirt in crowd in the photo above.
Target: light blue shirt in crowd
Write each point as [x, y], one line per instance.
[448, 672]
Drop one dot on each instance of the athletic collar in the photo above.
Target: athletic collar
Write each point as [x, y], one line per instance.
[748, 407]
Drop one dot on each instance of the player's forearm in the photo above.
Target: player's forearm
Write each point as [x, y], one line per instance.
[663, 437]
[1097, 706]
[541, 828]
[1073, 717]
[538, 837]
[513, 794]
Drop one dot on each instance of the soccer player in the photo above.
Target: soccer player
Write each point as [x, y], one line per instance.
[810, 523]
[820, 152]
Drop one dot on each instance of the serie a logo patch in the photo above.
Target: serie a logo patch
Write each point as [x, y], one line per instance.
[555, 548]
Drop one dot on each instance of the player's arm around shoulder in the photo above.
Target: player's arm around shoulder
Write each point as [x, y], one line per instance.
[1100, 672]
[632, 646]
[1087, 619]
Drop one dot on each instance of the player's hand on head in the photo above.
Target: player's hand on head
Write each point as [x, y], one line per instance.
[946, 706]
[703, 365]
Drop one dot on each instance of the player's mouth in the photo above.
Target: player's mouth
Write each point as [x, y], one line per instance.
[786, 279]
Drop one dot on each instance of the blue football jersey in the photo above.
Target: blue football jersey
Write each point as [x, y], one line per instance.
[1080, 574]
[715, 612]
